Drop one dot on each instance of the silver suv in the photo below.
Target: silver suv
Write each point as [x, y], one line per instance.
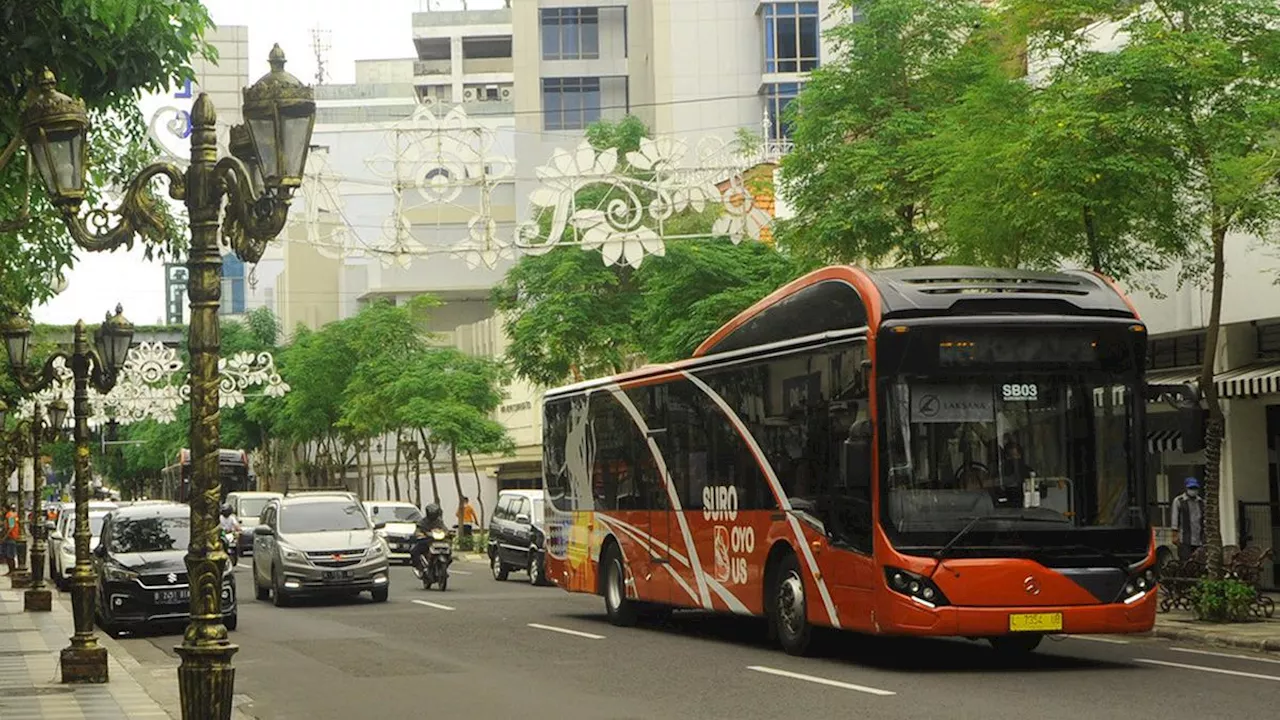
[317, 545]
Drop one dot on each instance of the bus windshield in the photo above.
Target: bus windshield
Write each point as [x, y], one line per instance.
[1038, 451]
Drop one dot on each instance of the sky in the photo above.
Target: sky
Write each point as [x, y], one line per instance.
[357, 29]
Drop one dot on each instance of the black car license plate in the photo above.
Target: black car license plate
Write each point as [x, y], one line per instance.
[335, 575]
[173, 597]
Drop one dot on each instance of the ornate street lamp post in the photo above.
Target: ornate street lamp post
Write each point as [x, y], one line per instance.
[38, 598]
[280, 114]
[84, 660]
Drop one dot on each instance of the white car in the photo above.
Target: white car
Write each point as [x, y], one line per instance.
[401, 519]
[62, 542]
[248, 506]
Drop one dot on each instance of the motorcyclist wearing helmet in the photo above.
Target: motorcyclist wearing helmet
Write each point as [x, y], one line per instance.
[229, 523]
[432, 519]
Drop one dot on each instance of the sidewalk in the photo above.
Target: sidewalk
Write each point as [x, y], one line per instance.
[30, 686]
[1260, 635]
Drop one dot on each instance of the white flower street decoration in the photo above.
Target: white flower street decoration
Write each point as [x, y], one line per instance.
[146, 389]
[452, 161]
[623, 227]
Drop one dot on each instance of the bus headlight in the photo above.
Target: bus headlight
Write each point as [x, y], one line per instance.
[1139, 584]
[917, 587]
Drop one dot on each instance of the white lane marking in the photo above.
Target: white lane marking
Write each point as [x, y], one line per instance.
[1096, 638]
[820, 681]
[1226, 655]
[566, 631]
[784, 503]
[1220, 671]
[437, 606]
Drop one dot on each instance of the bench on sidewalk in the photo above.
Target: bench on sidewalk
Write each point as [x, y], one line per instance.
[1178, 578]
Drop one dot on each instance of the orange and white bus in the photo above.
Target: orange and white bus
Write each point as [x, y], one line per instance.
[938, 451]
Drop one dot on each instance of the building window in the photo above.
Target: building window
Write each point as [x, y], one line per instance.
[777, 97]
[570, 103]
[570, 33]
[791, 37]
[1175, 352]
[232, 286]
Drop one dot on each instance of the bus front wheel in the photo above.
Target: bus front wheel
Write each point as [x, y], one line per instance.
[620, 610]
[789, 608]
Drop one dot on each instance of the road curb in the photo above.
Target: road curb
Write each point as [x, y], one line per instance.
[1205, 637]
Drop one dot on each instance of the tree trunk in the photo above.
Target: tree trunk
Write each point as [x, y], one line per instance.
[1091, 238]
[479, 490]
[386, 478]
[395, 471]
[431, 467]
[457, 479]
[417, 479]
[1216, 424]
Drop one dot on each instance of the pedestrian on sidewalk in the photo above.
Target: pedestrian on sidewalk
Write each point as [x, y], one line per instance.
[1187, 514]
[466, 524]
[9, 538]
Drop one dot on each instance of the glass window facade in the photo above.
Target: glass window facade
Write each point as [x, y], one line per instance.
[570, 103]
[570, 33]
[791, 36]
[777, 97]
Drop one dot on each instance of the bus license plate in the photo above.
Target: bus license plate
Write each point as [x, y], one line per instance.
[1035, 622]
[173, 597]
[337, 575]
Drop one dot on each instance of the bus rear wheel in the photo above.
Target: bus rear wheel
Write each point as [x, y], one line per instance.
[1015, 645]
[621, 611]
[789, 611]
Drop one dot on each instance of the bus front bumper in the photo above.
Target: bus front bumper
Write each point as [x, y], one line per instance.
[901, 615]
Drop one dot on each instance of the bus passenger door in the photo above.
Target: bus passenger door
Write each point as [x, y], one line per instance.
[642, 502]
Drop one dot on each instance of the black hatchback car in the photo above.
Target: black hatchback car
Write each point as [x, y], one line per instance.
[142, 576]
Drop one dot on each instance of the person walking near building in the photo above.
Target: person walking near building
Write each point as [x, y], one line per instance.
[9, 537]
[467, 521]
[1187, 516]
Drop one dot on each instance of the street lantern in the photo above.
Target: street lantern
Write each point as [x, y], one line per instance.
[17, 338]
[242, 149]
[280, 112]
[57, 414]
[55, 126]
[113, 338]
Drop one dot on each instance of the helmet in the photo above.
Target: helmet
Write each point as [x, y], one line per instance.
[432, 512]
[226, 510]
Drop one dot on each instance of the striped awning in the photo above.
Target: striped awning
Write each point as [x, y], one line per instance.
[1250, 380]
[1159, 441]
[1173, 377]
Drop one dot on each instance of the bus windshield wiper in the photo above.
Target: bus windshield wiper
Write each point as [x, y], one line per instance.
[942, 551]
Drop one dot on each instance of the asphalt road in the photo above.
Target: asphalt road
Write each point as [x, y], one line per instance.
[486, 649]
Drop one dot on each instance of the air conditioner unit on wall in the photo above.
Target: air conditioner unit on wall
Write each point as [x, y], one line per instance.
[468, 95]
[490, 92]
[505, 93]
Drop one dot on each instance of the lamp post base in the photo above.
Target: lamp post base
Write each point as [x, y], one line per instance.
[206, 681]
[84, 664]
[20, 579]
[37, 601]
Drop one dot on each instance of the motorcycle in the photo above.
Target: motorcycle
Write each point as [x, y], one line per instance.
[231, 543]
[432, 565]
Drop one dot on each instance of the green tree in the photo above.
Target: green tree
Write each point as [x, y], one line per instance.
[106, 52]
[854, 177]
[1205, 76]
